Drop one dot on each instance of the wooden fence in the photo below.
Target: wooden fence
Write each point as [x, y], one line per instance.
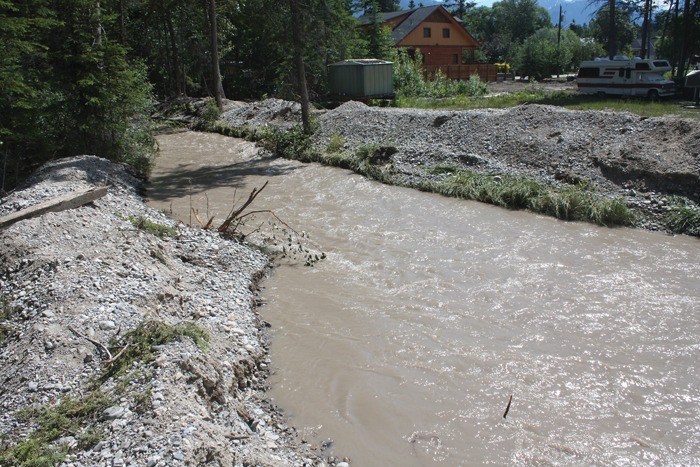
[486, 71]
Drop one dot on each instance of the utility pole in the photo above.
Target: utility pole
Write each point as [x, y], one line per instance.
[645, 29]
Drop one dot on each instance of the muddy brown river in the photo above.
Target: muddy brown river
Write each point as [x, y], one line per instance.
[405, 344]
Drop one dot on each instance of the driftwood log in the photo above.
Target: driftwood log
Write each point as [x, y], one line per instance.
[61, 203]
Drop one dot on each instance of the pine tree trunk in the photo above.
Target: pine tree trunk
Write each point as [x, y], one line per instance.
[176, 66]
[687, 22]
[217, 88]
[645, 28]
[612, 33]
[298, 44]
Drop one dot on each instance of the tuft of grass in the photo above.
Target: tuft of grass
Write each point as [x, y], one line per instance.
[143, 338]
[683, 218]
[159, 230]
[6, 312]
[76, 417]
[336, 144]
[511, 192]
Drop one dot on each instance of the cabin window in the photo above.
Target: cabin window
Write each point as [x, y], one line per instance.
[426, 32]
[455, 58]
[588, 72]
[446, 33]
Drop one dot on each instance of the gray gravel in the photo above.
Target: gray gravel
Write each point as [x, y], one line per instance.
[618, 154]
[90, 269]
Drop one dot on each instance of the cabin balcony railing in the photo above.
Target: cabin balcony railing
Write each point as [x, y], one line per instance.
[485, 71]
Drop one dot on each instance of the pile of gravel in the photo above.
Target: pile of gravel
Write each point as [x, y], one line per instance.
[618, 154]
[82, 276]
[613, 150]
[277, 113]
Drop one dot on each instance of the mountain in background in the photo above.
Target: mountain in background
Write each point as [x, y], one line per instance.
[579, 11]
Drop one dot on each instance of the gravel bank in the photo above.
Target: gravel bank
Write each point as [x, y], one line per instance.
[75, 279]
[642, 160]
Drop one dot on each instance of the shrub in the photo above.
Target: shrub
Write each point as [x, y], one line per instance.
[409, 81]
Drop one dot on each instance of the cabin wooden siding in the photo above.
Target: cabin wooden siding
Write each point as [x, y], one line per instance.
[453, 55]
[459, 37]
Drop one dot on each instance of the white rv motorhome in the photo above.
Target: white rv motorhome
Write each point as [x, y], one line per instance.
[625, 77]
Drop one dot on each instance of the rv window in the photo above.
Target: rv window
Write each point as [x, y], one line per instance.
[628, 73]
[621, 72]
[662, 64]
[588, 72]
[642, 66]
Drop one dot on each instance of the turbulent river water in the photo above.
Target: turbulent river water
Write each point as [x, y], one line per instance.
[405, 344]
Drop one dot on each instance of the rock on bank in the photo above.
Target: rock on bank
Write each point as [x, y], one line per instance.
[71, 281]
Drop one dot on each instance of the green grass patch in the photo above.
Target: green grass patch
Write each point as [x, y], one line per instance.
[683, 218]
[159, 230]
[511, 192]
[76, 417]
[336, 144]
[566, 99]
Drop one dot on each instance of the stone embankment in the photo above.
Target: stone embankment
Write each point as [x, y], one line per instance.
[641, 160]
[76, 283]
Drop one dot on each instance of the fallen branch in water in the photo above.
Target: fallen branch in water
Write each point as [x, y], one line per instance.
[235, 213]
[508, 406]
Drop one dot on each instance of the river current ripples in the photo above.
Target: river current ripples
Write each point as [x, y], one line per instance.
[405, 344]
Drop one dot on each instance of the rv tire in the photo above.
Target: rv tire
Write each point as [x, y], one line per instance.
[653, 94]
[600, 94]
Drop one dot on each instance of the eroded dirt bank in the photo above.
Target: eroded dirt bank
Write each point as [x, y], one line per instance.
[76, 283]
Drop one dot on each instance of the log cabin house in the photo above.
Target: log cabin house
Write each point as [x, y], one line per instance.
[441, 39]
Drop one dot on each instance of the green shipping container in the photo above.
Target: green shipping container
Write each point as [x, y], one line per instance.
[361, 78]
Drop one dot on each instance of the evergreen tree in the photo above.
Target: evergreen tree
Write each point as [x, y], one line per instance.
[67, 88]
[618, 38]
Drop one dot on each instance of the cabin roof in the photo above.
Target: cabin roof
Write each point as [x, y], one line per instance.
[412, 19]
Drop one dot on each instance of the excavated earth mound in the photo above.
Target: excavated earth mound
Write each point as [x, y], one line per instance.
[618, 154]
[72, 281]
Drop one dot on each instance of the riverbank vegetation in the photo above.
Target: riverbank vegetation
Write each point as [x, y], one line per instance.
[567, 99]
[574, 203]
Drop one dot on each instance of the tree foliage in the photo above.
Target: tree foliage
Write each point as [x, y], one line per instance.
[505, 25]
[625, 31]
[541, 55]
[67, 87]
